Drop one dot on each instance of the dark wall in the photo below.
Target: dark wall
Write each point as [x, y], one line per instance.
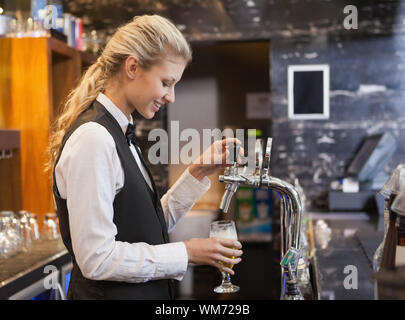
[367, 82]
[239, 68]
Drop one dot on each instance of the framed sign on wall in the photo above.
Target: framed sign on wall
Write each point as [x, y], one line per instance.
[308, 91]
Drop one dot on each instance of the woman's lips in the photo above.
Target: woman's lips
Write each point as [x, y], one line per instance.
[156, 106]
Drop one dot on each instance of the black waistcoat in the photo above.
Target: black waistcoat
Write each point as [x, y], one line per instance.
[138, 216]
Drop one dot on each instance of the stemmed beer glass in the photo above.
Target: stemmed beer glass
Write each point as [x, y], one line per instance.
[225, 229]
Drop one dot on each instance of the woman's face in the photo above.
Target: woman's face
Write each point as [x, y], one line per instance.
[150, 89]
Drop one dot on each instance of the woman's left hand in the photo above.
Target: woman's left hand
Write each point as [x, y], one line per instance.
[213, 159]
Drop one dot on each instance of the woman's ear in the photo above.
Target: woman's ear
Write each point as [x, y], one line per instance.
[131, 67]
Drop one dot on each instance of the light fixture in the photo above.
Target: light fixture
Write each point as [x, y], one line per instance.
[1, 10]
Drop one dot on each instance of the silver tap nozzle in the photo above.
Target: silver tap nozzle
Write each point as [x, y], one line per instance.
[230, 190]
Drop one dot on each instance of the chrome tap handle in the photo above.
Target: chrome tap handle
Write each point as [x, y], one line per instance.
[259, 156]
[267, 158]
[249, 181]
[236, 151]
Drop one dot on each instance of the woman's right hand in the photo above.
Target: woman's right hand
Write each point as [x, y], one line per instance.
[210, 251]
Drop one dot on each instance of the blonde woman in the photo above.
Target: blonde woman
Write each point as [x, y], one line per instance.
[112, 220]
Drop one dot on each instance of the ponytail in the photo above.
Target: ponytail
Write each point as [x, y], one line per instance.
[78, 100]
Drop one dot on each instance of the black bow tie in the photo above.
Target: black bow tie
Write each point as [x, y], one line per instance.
[130, 134]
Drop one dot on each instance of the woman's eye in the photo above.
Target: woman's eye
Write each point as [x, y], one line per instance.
[165, 84]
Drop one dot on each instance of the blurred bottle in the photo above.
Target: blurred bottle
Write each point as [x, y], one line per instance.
[391, 189]
[67, 28]
[323, 234]
[379, 252]
[79, 34]
[398, 206]
[86, 42]
[390, 245]
[304, 280]
[96, 47]
[386, 260]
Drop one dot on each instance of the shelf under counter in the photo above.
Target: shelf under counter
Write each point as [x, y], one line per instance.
[27, 268]
[353, 241]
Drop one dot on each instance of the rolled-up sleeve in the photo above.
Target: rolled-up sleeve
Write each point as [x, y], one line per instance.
[182, 196]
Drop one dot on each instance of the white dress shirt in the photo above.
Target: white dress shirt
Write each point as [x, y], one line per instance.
[89, 174]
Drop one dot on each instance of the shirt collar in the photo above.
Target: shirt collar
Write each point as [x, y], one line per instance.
[115, 111]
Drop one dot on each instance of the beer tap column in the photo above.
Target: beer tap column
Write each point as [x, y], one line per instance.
[290, 227]
[290, 215]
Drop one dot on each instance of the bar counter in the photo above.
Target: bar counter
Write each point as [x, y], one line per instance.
[25, 269]
[354, 239]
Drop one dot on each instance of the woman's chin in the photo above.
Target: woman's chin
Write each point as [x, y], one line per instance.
[153, 112]
[150, 115]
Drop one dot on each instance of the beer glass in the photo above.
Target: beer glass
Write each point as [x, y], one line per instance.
[5, 244]
[51, 226]
[34, 226]
[11, 231]
[25, 230]
[225, 229]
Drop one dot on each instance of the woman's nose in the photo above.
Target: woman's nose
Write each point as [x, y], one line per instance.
[169, 97]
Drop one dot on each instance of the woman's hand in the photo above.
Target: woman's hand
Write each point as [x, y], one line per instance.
[210, 251]
[213, 159]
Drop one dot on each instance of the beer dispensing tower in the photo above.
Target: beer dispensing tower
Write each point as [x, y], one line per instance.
[290, 215]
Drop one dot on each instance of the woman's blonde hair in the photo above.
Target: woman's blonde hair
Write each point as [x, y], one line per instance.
[149, 38]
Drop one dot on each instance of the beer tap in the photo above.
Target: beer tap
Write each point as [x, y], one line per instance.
[233, 179]
[290, 215]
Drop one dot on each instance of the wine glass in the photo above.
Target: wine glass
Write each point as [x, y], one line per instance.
[225, 229]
